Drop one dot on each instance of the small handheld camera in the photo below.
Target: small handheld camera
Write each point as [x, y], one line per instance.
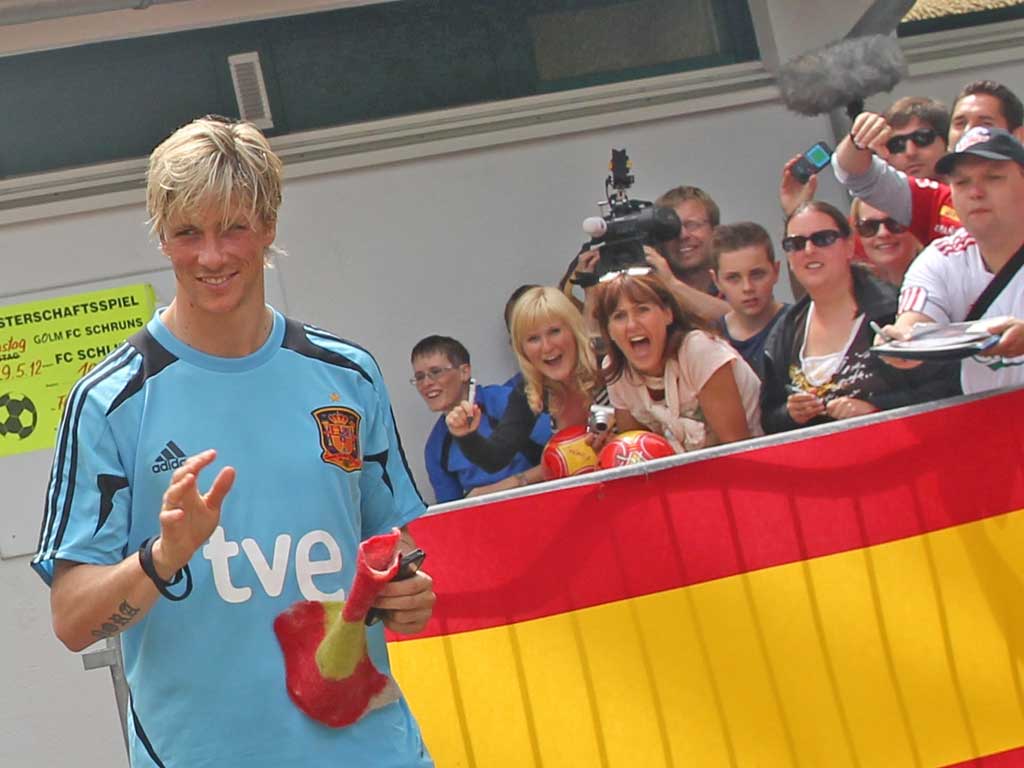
[602, 419]
[625, 226]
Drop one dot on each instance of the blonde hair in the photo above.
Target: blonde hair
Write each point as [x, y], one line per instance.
[217, 162]
[855, 210]
[539, 306]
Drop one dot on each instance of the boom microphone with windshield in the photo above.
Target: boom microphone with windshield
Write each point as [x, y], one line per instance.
[841, 74]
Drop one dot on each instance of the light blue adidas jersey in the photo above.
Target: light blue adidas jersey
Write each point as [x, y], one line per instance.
[307, 424]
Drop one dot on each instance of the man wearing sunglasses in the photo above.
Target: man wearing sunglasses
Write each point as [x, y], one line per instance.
[949, 281]
[919, 127]
[864, 161]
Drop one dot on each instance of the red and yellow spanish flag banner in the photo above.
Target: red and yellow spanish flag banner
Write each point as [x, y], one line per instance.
[853, 598]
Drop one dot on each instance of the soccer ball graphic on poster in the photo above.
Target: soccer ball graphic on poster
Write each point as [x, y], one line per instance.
[18, 415]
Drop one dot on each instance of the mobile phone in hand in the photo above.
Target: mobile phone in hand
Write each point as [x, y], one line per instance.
[811, 161]
[409, 563]
[471, 397]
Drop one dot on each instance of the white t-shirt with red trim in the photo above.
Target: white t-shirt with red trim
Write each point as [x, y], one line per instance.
[944, 282]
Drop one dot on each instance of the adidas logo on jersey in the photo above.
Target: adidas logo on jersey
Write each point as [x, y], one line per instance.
[171, 457]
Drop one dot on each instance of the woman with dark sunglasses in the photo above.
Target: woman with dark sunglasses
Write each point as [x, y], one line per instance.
[817, 364]
[889, 246]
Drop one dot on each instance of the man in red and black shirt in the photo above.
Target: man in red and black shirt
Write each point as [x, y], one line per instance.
[919, 129]
[924, 205]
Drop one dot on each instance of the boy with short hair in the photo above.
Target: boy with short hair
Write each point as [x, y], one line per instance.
[441, 374]
[744, 268]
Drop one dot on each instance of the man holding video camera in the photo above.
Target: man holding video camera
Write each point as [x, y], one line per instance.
[684, 263]
[669, 236]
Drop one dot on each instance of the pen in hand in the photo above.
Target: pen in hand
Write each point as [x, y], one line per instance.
[878, 329]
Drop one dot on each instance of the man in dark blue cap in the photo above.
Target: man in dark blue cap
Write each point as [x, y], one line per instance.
[974, 274]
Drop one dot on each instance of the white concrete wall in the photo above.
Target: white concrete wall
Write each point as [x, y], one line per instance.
[384, 256]
[52, 712]
[787, 29]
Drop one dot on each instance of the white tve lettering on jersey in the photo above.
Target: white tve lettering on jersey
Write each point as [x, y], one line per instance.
[219, 550]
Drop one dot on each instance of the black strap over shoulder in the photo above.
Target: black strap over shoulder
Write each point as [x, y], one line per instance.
[996, 286]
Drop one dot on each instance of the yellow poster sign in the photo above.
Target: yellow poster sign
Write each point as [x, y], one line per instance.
[46, 346]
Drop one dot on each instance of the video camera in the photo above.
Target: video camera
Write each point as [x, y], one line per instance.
[625, 226]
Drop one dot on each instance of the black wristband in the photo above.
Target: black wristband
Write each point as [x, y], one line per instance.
[146, 561]
[584, 279]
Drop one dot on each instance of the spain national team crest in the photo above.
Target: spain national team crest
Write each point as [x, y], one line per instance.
[339, 437]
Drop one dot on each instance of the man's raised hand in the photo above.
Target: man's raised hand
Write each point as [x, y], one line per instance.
[188, 517]
[871, 131]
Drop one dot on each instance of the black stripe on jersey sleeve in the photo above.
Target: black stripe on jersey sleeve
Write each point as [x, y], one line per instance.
[296, 340]
[141, 733]
[120, 358]
[108, 486]
[69, 494]
[405, 461]
[322, 334]
[155, 358]
[382, 459]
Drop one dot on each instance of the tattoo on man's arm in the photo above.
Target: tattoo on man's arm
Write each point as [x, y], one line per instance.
[126, 612]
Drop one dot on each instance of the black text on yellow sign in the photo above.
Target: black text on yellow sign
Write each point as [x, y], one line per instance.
[46, 346]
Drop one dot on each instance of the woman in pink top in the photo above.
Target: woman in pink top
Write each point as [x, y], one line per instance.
[668, 372]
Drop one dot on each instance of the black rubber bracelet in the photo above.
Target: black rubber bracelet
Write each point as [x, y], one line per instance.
[146, 561]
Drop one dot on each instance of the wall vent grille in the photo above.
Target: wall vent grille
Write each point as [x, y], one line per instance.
[250, 89]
